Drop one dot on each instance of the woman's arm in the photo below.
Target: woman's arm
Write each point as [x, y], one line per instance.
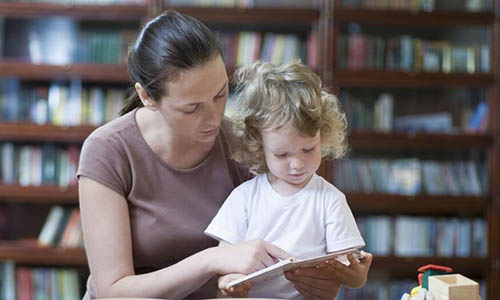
[106, 229]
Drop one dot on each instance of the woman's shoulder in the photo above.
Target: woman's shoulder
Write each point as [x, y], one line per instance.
[119, 127]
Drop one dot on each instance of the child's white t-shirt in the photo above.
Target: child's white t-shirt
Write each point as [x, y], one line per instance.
[314, 221]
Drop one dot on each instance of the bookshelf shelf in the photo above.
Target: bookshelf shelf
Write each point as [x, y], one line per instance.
[48, 194]
[419, 204]
[244, 15]
[440, 26]
[86, 72]
[418, 141]
[29, 132]
[407, 266]
[119, 12]
[354, 78]
[28, 252]
[401, 17]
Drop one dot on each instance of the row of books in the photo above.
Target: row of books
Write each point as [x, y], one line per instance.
[59, 104]
[244, 3]
[378, 114]
[38, 164]
[26, 283]
[60, 41]
[77, 2]
[419, 5]
[104, 46]
[361, 51]
[242, 48]
[37, 38]
[425, 236]
[380, 289]
[411, 176]
[62, 228]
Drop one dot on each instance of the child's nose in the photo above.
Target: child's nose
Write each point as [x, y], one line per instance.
[297, 163]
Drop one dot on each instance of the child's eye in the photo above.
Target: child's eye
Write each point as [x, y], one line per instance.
[281, 155]
[309, 149]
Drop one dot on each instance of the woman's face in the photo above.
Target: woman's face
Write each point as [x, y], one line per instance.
[196, 100]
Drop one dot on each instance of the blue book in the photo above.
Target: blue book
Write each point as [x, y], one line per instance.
[478, 116]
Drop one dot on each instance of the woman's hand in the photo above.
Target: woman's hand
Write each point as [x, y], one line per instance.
[246, 258]
[240, 291]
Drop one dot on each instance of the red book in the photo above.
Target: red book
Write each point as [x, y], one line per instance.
[24, 288]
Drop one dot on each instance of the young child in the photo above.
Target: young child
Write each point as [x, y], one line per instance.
[286, 124]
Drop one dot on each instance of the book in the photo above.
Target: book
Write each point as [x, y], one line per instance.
[292, 263]
[431, 122]
[52, 226]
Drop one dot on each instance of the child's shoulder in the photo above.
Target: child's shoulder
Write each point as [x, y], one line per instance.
[255, 182]
[327, 189]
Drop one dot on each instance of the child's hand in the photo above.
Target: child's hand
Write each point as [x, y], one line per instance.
[315, 282]
[239, 291]
[352, 276]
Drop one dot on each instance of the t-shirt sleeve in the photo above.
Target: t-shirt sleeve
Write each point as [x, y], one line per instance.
[230, 224]
[103, 162]
[341, 229]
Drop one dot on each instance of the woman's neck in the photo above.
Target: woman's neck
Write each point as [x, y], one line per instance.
[175, 150]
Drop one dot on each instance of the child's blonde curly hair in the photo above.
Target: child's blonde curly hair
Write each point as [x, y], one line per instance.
[270, 97]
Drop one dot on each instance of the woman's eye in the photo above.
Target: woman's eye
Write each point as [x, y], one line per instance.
[280, 155]
[192, 111]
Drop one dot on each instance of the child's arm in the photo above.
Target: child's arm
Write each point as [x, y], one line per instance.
[352, 276]
[323, 281]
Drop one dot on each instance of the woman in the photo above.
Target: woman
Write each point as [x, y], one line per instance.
[151, 180]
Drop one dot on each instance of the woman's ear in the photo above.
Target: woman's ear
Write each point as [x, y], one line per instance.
[145, 99]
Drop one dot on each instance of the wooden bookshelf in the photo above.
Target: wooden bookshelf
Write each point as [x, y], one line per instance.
[29, 252]
[418, 140]
[402, 17]
[370, 78]
[430, 205]
[29, 132]
[407, 266]
[45, 194]
[330, 17]
[254, 15]
[118, 12]
[87, 72]
[423, 24]
[27, 207]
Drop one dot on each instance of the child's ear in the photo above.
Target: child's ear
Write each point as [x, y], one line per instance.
[145, 99]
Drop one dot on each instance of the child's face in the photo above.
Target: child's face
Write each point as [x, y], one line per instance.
[291, 157]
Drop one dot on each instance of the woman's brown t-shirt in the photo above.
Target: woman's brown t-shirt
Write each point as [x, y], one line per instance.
[169, 208]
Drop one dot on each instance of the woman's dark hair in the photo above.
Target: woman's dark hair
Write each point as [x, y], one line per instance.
[167, 45]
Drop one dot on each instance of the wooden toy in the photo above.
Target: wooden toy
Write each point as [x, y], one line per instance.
[453, 287]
